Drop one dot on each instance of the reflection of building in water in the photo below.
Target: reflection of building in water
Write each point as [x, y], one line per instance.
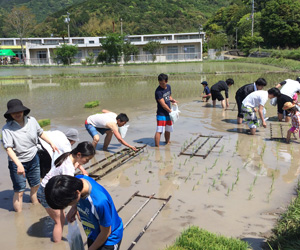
[174, 47]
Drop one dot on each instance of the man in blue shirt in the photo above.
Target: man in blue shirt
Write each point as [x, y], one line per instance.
[99, 217]
[163, 99]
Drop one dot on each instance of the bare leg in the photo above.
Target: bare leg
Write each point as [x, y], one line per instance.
[59, 219]
[167, 137]
[280, 117]
[33, 192]
[287, 119]
[96, 139]
[18, 201]
[288, 136]
[239, 120]
[214, 103]
[107, 139]
[223, 104]
[252, 131]
[157, 139]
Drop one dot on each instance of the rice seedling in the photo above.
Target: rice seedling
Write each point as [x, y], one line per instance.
[214, 182]
[193, 168]
[232, 186]
[221, 174]
[237, 145]
[263, 151]
[215, 163]
[194, 188]
[185, 162]
[228, 191]
[136, 172]
[206, 170]
[148, 180]
[245, 165]
[208, 190]
[222, 149]
[250, 197]
[228, 166]
[198, 182]
[271, 187]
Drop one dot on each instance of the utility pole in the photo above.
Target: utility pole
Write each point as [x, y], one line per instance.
[67, 21]
[236, 40]
[252, 16]
[121, 26]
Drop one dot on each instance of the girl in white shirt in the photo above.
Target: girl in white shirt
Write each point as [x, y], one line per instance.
[66, 164]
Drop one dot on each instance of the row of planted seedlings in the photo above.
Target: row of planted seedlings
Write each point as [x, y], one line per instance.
[215, 175]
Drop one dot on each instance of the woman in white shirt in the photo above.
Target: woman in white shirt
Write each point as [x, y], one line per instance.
[66, 164]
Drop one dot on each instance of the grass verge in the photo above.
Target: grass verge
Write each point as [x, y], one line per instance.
[44, 122]
[286, 234]
[195, 238]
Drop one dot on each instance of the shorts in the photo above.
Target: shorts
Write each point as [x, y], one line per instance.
[250, 117]
[41, 197]
[105, 247]
[32, 174]
[164, 124]
[94, 131]
[216, 95]
[239, 105]
[292, 129]
[207, 98]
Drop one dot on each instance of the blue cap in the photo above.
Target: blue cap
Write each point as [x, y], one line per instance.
[204, 83]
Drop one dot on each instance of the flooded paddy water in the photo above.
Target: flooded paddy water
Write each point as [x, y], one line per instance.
[238, 190]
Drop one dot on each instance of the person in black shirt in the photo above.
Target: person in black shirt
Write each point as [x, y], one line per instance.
[245, 90]
[206, 92]
[281, 100]
[216, 92]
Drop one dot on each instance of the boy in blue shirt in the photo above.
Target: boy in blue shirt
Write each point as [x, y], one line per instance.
[163, 99]
[206, 92]
[99, 217]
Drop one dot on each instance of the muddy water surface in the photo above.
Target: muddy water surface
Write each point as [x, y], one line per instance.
[237, 190]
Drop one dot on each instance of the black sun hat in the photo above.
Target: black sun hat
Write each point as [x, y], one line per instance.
[15, 105]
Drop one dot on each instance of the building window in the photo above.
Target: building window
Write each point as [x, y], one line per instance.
[194, 36]
[79, 54]
[8, 42]
[91, 42]
[96, 52]
[78, 41]
[182, 37]
[51, 42]
[172, 49]
[135, 39]
[35, 41]
[42, 54]
[189, 48]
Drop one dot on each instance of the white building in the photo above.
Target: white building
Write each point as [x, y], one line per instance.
[174, 47]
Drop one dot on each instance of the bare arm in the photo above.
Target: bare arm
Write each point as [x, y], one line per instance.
[164, 105]
[15, 159]
[101, 238]
[260, 112]
[106, 111]
[47, 139]
[172, 100]
[120, 139]
[278, 85]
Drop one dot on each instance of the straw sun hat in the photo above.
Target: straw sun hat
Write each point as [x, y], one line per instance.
[288, 105]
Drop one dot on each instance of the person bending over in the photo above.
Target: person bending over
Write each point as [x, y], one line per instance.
[245, 90]
[216, 92]
[106, 123]
[206, 92]
[100, 220]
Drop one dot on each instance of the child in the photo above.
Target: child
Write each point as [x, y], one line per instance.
[65, 165]
[20, 136]
[206, 92]
[100, 220]
[216, 92]
[163, 99]
[257, 99]
[245, 90]
[291, 108]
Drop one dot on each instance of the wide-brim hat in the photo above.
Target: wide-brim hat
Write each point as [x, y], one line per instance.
[288, 105]
[14, 106]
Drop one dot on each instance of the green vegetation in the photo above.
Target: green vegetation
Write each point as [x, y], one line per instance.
[65, 53]
[44, 122]
[286, 233]
[95, 17]
[152, 47]
[92, 104]
[199, 239]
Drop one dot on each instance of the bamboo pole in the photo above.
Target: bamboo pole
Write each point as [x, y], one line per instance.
[148, 224]
[129, 200]
[200, 147]
[138, 211]
[212, 147]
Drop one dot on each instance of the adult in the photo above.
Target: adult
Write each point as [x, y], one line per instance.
[63, 142]
[245, 90]
[106, 123]
[163, 97]
[20, 136]
[257, 100]
[216, 92]
[100, 220]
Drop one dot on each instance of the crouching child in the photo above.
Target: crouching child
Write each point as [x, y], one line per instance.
[100, 220]
[292, 109]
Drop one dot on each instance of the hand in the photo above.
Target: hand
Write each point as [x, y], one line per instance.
[173, 101]
[133, 148]
[71, 214]
[54, 148]
[264, 124]
[84, 172]
[296, 130]
[21, 170]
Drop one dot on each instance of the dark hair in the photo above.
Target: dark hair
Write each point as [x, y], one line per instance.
[85, 148]
[229, 81]
[60, 191]
[298, 79]
[293, 109]
[275, 92]
[261, 82]
[204, 83]
[162, 77]
[123, 117]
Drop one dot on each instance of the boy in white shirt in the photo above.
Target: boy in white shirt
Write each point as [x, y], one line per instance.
[256, 100]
